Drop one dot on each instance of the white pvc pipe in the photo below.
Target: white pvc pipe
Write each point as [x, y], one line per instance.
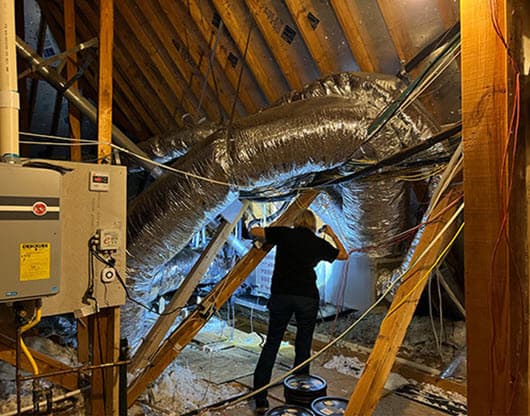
[9, 99]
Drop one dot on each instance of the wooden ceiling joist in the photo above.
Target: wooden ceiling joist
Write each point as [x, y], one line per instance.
[146, 48]
[281, 35]
[212, 78]
[348, 17]
[319, 40]
[258, 57]
[226, 54]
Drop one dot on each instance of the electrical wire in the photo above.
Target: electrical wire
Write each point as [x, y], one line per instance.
[111, 262]
[358, 320]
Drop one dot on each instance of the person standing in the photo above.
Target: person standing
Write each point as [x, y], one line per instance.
[293, 291]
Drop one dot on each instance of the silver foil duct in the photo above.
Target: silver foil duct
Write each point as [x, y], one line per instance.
[175, 143]
[308, 132]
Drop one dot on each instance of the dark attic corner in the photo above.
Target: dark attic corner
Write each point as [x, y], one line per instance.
[265, 207]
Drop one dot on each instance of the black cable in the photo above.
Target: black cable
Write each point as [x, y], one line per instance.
[110, 262]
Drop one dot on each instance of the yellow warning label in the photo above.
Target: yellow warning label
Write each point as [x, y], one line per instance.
[34, 261]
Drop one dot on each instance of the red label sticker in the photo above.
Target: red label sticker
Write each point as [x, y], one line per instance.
[40, 208]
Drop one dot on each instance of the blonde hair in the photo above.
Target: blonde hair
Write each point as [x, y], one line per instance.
[306, 219]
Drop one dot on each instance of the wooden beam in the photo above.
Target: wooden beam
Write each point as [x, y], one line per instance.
[106, 41]
[406, 24]
[496, 269]
[357, 35]
[170, 65]
[70, 41]
[160, 328]
[132, 59]
[449, 12]
[292, 57]
[258, 58]
[319, 38]
[369, 388]
[179, 338]
[221, 87]
[227, 55]
[45, 363]
[105, 329]
[188, 58]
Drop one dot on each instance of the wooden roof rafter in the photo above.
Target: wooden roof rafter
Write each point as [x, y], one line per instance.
[211, 75]
[172, 47]
[226, 54]
[130, 69]
[280, 35]
[347, 15]
[317, 37]
[171, 88]
[258, 57]
[128, 115]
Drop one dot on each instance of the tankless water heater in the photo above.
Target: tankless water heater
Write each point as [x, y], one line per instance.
[30, 239]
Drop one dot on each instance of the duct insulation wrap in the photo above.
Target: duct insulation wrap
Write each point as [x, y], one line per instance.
[172, 145]
[312, 131]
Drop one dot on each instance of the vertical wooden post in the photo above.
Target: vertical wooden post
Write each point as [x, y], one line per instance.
[496, 237]
[71, 69]
[105, 328]
[106, 35]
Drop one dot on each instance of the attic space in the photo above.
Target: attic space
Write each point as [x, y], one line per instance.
[264, 207]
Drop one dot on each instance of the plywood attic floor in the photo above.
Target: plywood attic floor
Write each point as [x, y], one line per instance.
[227, 361]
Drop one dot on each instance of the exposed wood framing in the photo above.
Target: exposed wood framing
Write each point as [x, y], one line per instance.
[156, 23]
[211, 81]
[369, 388]
[106, 40]
[258, 58]
[160, 328]
[169, 91]
[137, 109]
[319, 40]
[496, 269]
[292, 58]
[449, 12]
[226, 54]
[71, 69]
[45, 363]
[179, 338]
[395, 16]
[348, 17]
[105, 330]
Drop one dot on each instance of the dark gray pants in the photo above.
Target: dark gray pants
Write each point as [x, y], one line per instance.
[281, 309]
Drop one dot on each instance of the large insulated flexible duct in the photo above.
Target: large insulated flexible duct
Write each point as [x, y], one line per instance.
[311, 131]
[304, 134]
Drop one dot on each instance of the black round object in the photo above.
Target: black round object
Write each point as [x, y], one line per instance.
[329, 406]
[302, 389]
[289, 410]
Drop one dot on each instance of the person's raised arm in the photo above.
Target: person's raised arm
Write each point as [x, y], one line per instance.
[257, 233]
[343, 254]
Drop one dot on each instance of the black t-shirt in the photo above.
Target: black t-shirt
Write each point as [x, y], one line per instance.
[298, 251]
